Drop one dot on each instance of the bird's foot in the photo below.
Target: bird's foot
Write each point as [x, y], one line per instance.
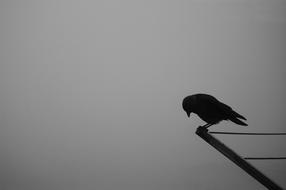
[207, 125]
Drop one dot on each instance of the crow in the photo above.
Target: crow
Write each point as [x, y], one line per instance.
[209, 109]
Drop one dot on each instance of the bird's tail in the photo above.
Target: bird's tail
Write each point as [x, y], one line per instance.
[237, 121]
[238, 115]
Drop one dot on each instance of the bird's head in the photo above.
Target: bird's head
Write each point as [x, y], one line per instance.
[187, 105]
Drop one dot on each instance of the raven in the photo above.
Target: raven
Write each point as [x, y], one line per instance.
[209, 109]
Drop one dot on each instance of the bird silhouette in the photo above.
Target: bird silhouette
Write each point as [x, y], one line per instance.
[211, 110]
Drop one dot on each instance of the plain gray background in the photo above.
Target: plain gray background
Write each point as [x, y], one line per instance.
[91, 92]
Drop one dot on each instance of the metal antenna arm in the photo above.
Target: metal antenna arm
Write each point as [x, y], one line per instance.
[235, 158]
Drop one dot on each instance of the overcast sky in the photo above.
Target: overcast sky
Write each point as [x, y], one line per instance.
[91, 92]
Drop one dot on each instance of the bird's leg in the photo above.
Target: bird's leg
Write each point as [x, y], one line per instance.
[207, 125]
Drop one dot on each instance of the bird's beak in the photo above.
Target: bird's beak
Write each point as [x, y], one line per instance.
[188, 113]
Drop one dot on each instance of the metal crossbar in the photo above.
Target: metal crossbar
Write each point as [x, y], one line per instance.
[235, 133]
[265, 158]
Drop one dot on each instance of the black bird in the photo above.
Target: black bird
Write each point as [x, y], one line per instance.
[209, 109]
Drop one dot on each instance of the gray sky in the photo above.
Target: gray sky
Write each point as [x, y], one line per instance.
[91, 92]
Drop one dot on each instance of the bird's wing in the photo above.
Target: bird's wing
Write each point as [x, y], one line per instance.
[228, 110]
[212, 104]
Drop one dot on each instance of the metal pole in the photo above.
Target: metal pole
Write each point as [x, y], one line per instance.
[235, 158]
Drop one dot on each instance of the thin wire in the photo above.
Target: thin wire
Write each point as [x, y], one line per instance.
[253, 158]
[234, 133]
[265, 158]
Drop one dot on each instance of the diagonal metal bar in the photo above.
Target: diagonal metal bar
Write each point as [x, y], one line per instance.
[235, 158]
